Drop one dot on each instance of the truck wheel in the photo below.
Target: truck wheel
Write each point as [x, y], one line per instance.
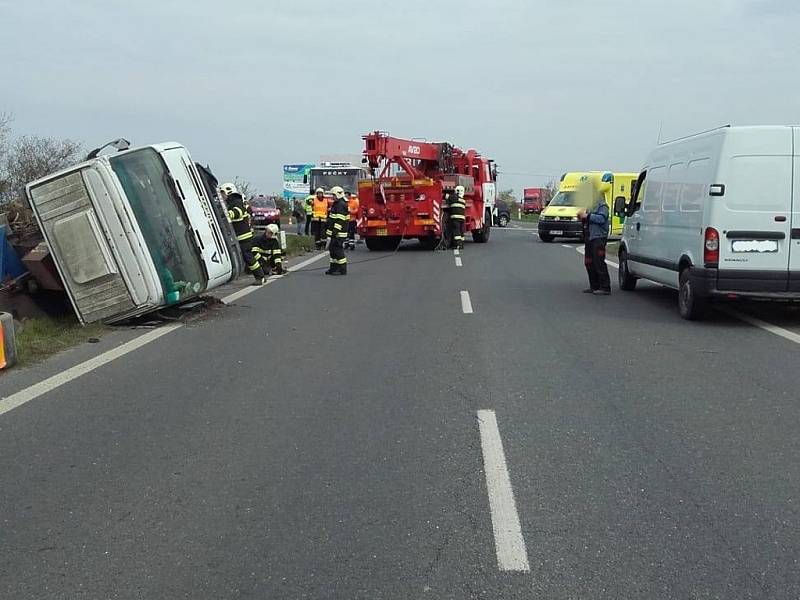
[627, 281]
[481, 236]
[374, 244]
[446, 240]
[546, 237]
[690, 306]
[428, 243]
[503, 221]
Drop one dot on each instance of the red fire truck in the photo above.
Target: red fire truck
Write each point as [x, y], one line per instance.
[408, 187]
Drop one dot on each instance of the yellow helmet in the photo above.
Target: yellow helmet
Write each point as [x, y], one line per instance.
[272, 229]
[319, 190]
[460, 191]
[337, 191]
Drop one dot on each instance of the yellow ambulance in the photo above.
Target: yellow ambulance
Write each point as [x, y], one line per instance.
[579, 190]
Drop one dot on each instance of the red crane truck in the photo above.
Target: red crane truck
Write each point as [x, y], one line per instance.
[409, 184]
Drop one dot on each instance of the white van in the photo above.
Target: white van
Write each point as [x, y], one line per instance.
[135, 231]
[717, 215]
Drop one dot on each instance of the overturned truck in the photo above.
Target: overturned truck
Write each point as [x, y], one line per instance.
[135, 231]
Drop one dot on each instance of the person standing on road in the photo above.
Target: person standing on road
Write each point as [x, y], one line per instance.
[352, 208]
[240, 219]
[595, 234]
[299, 213]
[320, 215]
[457, 211]
[309, 206]
[337, 232]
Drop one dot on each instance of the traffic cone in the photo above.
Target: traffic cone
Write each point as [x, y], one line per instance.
[3, 361]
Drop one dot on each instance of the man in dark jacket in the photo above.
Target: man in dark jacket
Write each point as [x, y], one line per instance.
[239, 217]
[338, 217]
[596, 227]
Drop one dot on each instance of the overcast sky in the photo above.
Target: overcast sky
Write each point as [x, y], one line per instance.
[541, 86]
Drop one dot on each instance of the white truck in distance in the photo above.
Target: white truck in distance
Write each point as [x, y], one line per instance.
[135, 231]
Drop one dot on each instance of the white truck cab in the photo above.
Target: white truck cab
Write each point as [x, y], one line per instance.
[133, 232]
[717, 215]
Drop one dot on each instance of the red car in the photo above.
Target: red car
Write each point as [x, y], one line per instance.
[264, 211]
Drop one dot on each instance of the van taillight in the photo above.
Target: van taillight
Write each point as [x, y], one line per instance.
[711, 248]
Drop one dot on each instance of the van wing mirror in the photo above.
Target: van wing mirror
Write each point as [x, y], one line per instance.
[619, 206]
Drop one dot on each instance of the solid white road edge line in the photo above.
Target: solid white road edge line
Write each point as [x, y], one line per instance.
[32, 392]
[732, 312]
[508, 541]
[756, 322]
[458, 261]
[19, 398]
[249, 290]
[610, 263]
[466, 304]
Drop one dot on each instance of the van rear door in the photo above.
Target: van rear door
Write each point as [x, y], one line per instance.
[752, 213]
[794, 246]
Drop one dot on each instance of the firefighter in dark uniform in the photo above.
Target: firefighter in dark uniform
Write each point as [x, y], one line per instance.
[338, 217]
[457, 211]
[240, 219]
[268, 247]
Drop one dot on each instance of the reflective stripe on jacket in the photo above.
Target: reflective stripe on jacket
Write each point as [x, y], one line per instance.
[337, 219]
[320, 208]
[239, 217]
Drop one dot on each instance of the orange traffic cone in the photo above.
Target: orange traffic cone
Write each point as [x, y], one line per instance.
[3, 361]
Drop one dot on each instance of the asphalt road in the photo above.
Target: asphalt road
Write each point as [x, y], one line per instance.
[320, 438]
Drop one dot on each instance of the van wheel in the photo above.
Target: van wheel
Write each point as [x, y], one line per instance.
[690, 306]
[627, 281]
[545, 238]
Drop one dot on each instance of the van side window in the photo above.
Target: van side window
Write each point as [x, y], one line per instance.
[695, 185]
[651, 195]
[672, 188]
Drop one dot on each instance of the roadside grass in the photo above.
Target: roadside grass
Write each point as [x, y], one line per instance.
[40, 337]
[298, 244]
[531, 218]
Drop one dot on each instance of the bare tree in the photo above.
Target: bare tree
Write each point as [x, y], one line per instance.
[30, 157]
[246, 189]
[5, 130]
[551, 190]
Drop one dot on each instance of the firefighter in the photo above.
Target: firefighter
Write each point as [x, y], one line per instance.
[337, 232]
[352, 208]
[240, 219]
[319, 216]
[268, 247]
[457, 209]
[309, 212]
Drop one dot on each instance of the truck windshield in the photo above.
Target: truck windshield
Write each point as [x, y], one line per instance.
[571, 199]
[162, 221]
[347, 179]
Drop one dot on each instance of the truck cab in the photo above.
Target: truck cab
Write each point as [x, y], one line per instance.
[133, 232]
